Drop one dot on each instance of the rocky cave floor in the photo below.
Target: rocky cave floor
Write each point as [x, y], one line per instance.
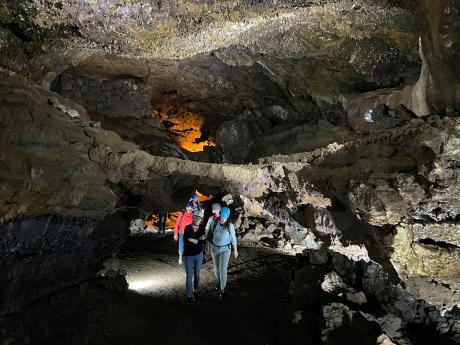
[157, 312]
[273, 299]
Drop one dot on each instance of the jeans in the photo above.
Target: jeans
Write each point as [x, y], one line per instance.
[192, 270]
[181, 244]
[220, 258]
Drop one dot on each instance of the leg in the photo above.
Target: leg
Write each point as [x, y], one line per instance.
[188, 263]
[215, 261]
[224, 258]
[198, 260]
[181, 244]
[181, 247]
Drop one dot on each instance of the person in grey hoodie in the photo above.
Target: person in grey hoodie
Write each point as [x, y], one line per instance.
[221, 235]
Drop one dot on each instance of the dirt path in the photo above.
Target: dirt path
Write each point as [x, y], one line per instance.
[154, 311]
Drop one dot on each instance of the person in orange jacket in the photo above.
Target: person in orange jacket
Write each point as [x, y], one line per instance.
[184, 218]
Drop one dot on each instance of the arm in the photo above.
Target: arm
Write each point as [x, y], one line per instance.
[187, 235]
[202, 237]
[208, 225]
[176, 226]
[233, 240]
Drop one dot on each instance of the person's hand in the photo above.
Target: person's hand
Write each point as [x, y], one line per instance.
[193, 240]
[176, 237]
[202, 238]
[235, 253]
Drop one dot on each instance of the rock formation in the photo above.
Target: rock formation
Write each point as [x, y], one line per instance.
[335, 130]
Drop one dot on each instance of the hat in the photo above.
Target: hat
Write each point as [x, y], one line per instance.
[224, 212]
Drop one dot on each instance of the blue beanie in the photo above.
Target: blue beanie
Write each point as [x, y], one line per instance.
[225, 212]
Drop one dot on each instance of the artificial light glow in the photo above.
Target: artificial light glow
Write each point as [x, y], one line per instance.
[140, 284]
[152, 223]
[185, 125]
[157, 278]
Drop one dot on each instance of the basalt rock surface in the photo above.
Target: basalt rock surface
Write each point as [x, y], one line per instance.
[44, 254]
[333, 102]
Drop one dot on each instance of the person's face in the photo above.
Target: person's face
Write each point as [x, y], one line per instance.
[216, 211]
[188, 210]
[197, 220]
[223, 220]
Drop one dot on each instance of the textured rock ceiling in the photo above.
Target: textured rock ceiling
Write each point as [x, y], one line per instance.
[354, 45]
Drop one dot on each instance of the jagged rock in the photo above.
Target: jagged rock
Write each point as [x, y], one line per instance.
[423, 263]
[333, 283]
[384, 340]
[138, 227]
[318, 256]
[375, 111]
[55, 173]
[236, 138]
[341, 322]
[324, 223]
[393, 326]
[113, 280]
[357, 297]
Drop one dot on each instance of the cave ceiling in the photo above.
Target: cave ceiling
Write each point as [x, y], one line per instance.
[301, 52]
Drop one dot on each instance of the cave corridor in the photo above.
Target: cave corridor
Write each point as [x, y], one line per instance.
[327, 130]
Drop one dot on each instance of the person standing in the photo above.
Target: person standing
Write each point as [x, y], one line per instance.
[215, 216]
[222, 237]
[162, 220]
[194, 240]
[184, 218]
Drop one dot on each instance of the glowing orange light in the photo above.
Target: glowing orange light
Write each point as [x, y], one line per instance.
[185, 125]
[152, 223]
[170, 221]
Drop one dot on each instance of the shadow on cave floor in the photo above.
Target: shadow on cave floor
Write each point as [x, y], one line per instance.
[156, 313]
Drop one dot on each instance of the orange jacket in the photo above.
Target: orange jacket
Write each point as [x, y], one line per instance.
[182, 222]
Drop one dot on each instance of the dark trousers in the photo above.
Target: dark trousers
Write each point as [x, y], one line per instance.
[192, 270]
[162, 218]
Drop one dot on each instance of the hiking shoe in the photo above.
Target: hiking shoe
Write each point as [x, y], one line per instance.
[180, 260]
[190, 300]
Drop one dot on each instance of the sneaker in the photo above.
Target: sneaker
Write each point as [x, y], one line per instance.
[195, 296]
[190, 300]
[180, 260]
[217, 287]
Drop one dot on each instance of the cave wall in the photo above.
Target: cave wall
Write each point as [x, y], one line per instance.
[121, 97]
[47, 253]
[440, 47]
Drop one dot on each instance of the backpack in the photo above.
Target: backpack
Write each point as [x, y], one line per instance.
[210, 234]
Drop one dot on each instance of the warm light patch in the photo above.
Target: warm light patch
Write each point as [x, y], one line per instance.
[152, 223]
[186, 126]
[170, 221]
